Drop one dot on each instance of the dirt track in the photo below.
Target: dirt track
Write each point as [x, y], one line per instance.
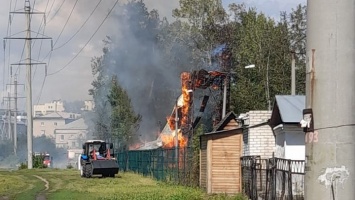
[41, 195]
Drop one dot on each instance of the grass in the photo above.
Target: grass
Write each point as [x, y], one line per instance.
[67, 184]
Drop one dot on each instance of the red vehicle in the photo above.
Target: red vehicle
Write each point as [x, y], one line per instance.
[47, 159]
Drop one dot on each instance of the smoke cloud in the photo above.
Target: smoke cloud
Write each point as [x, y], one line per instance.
[138, 57]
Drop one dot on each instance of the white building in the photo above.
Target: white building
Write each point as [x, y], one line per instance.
[71, 135]
[47, 108]
[45, 125]
[88, 105]
[285, 122]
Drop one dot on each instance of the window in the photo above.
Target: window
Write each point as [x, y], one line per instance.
[61, 137]
[43, 132]
[55, 123]
[42, 123]
[73, 144]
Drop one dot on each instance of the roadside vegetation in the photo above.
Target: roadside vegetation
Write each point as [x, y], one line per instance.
[67, 184]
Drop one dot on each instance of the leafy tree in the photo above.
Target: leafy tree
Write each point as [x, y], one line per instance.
[296, 21]
[101, 115]
[125, 122]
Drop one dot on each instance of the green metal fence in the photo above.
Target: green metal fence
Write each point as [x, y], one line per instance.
[162, 164]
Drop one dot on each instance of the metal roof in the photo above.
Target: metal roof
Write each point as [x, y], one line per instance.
[290, 107]
[78, 124]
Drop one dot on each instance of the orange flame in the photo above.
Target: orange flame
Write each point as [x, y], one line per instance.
[169, 140]
[186, 96]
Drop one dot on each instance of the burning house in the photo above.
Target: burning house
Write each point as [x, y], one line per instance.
[181, 121]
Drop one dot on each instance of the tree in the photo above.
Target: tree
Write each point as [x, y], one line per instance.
[261, 41]
[296, 22]
[101, 115]
[125, 122]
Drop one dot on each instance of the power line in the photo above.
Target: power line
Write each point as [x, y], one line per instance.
[56, 11]
[24, 45]
[86, 42]
[71, 12]
[40, 48]
[87, 19]
[44, 81]
[50, 8]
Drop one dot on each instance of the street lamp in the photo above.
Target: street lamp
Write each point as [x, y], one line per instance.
[224, 106]
[249, 66]
[267, 84]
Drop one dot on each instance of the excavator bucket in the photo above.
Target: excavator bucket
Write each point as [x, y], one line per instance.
[105, 167]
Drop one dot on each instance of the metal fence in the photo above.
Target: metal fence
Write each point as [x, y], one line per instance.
[162, 164]
[272, 179]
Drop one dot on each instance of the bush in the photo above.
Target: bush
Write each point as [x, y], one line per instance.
[70, 166]
[22, 166]
[38, 161]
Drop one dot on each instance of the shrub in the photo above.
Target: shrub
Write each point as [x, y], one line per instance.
[22, 166]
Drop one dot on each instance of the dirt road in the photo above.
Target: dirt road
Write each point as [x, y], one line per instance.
[42, 195]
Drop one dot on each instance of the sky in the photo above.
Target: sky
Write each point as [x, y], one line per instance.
[75, 41]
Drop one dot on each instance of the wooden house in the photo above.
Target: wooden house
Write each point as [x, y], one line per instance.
[220, 152]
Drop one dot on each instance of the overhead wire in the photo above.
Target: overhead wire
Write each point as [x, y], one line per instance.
[24, 45]
[40, 47]
[61, 5]
[44, 81]
[87, 19]
[7, 34]
[51, 8]
[61, 32]
[70, 61]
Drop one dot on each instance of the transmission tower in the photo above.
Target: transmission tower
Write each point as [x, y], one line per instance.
[14, 97]
[29, 63]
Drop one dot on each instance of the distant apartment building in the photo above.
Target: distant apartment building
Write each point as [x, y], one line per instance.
[71, 135]
[47, 108]
[45, 125]
[88, 105]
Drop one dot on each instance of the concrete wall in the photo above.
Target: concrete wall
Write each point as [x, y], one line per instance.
[258, 140]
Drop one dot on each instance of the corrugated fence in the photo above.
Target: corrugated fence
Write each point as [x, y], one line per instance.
[162, 164]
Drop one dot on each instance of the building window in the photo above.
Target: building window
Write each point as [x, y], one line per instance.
[55, 124]
[43, 132]
[73, 144]
[42, 123]
[61, 137]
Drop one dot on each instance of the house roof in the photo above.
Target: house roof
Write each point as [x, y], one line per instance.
[78, 124]
[224, 131]
[56, 115]
[229, 116]
[287, 109]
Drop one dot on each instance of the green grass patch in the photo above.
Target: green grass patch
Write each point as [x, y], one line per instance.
[19, 185]
[67, 184]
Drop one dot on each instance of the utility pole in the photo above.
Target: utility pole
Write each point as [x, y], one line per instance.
[330, 92]
[177, 131]
[27, 12]
[15, 98]
[9, 132]
[8, 117]
[293, 74]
